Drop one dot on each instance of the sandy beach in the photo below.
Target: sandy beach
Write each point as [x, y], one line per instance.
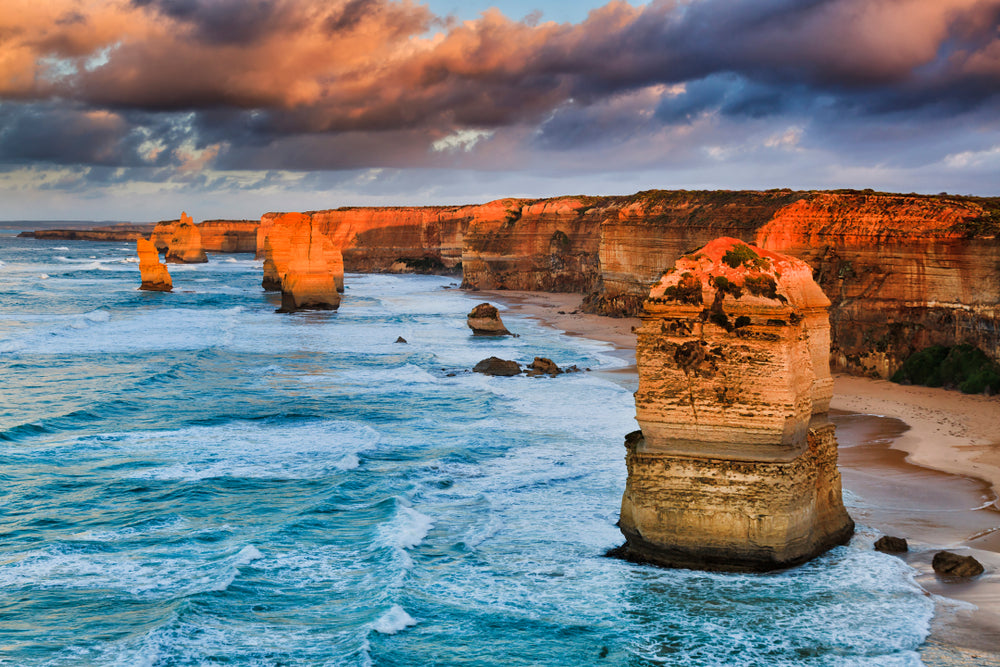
[916, 462]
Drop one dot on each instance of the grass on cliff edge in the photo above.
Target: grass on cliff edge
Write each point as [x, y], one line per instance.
[962, 366]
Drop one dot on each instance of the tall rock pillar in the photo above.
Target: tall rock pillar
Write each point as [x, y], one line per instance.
[155, 276]
[735, 466]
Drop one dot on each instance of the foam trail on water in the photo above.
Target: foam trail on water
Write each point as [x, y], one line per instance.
[393, 621]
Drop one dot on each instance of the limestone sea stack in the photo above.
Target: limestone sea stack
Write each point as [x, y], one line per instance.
[304, 264]
[484, 320]
[285, 234]
[155, 277]
[185, 245]
[735, 466]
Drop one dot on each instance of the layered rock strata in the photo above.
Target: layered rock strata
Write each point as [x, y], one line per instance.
[229, 236]
[155, 276]
[735, 466]
[903, 271]
[304, 264]
[484, 320]
[185, 245]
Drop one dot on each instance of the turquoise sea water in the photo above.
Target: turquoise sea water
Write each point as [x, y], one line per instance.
[192, 479]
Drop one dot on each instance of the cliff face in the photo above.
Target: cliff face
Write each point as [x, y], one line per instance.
[216, 235]
[735, 466]
[549, 245]
[902, 273]
[302, 263]
[112, 233]
[418, 238]
[229, 235]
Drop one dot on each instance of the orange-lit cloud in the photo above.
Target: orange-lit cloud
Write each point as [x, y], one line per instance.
[367, 83]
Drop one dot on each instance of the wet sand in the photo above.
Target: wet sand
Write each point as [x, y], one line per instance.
[916, 462]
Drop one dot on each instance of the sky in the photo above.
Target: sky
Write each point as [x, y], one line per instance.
[135, 110]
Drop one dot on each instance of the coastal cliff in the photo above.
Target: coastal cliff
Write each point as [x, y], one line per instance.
[223, 236]
[902, 271]
[424, 239]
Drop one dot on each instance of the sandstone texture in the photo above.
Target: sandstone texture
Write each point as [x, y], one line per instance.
[902, 271]
[303, 264]
[155, 277]
[484, 320]
[185, 245]
[948, 564]
[228, 236]
[735, 466]
[422, 239]
[162, 233]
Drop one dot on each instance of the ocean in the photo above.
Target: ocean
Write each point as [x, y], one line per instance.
[193, 479]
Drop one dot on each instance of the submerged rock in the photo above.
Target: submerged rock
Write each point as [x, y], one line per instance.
[484, 320]
[185, 245]
[891, 545]
[400, 340]
[735, 467]
[155, 277]
[497, 366]
[950, 564]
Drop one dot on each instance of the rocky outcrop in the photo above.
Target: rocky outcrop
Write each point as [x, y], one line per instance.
[155, 277]
[549, 245]
[122, 232]
[185, 245]
[891, 545]
[162, 233]
[229, 236]
[902, 271]
[484, 320]
[948, 564]
[420, 239]
[303, 264]
[735, 467]
[498, 366]
[288, 234]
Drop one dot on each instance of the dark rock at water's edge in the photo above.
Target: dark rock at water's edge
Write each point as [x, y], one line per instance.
[891, 545]
[949, 564]
[497, 366]
[400, 340]
[484, 320]
[543, 366]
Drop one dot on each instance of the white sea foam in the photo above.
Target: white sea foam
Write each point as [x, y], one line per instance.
[393, 621]
[410, 527]
[254, 450]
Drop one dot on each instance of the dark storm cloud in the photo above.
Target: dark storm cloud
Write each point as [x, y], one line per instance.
[264, 75]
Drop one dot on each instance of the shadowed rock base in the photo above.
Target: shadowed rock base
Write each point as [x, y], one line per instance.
[712, 514]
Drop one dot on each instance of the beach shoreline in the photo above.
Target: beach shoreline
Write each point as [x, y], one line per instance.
[923, 463]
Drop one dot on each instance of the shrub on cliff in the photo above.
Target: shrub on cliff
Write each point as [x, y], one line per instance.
[962, 366]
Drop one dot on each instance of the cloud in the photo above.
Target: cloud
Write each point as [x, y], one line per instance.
[312, 84]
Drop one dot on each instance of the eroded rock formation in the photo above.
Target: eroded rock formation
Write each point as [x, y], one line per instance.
[735, 467]
[185, 245]
[303, 264]
[229, 235]
[903, 271]
[155, 277]
[484, 320]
